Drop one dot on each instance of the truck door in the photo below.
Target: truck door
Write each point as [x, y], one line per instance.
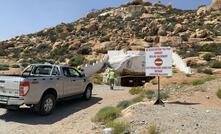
[58, 81]
[77, 81]
[72, 81]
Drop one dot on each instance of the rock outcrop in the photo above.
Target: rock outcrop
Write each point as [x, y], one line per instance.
[216, 5]
[133, 26]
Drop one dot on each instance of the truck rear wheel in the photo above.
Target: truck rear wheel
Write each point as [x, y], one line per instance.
[47, 104]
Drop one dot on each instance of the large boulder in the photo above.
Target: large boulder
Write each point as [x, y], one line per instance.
[179, 28]
[102, 47]
[139, 44]
[75, 44]
[93, 26]
[170, 41]
[202, 10]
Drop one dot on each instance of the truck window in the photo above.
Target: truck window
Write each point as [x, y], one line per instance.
[70, 72]
[42, 70]
[55, 71]
[27, 71]
[74, 73]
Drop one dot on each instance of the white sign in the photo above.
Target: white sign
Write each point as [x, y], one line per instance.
[158, 61]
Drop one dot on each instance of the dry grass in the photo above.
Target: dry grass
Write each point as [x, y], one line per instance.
[218, 93]
[136, 90]
[106, 114]
[152, 129]
[118, 127]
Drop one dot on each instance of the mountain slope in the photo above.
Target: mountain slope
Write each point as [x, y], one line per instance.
[133, 26]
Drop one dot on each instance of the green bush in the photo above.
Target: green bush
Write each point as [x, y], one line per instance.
[213, 47]
[209, 78]
[164, 95]
[53, 38]
[137, 99]
[77, 60]
[119, 127]
[150, 94]
[136, 90]
[124, 104]
[84, 50]
[24, 64]
[4, 67]
[58, 52]
[197, 82]
[208, 56]
[187, 53]
[205, 70]
[107, 114]
[218, 93]
[215, 64]
[174, 70]
[43, 48]
[15, 66]
[3, 52]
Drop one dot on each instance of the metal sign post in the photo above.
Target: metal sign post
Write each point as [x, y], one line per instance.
[158, 101]
[158, 63]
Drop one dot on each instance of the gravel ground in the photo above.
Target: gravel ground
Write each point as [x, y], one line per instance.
[175, 117]
[70, 117]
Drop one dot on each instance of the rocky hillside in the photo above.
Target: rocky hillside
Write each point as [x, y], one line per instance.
[133, 26]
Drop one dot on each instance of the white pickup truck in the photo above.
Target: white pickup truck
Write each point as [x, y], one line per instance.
[41, 85]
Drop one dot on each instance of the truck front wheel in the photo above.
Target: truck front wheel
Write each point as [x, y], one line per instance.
[47, 104]
[87, 93]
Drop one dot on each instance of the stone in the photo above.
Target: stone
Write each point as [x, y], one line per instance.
[179, 28]
[139, 42]
[92, 27]
[56, 44]
[74, 44]
[149, 39]
[148, 15]
[101, 47]
[171, 41]
[201, 33]
[217, 71]
[202, 11]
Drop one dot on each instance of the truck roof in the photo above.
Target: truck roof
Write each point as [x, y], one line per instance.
[50, 65]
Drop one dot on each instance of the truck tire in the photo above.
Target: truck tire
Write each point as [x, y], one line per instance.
[87, 93]
[47, 104]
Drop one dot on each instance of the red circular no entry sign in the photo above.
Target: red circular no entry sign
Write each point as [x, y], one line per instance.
[158, 62]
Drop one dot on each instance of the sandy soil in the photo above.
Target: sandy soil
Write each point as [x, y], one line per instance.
[69, 117]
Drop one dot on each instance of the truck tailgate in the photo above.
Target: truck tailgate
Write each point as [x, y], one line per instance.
[9, 86]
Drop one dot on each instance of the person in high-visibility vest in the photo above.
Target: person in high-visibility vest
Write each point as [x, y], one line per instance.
[111, 78]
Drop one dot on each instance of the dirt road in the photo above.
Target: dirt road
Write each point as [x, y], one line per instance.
[70, 117]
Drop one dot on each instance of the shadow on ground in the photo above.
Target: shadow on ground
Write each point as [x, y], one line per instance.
[63, 109]
[182, 103]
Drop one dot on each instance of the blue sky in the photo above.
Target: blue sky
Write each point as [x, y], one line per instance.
[19, 17]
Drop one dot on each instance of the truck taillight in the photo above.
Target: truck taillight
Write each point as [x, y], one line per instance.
[24, 87]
